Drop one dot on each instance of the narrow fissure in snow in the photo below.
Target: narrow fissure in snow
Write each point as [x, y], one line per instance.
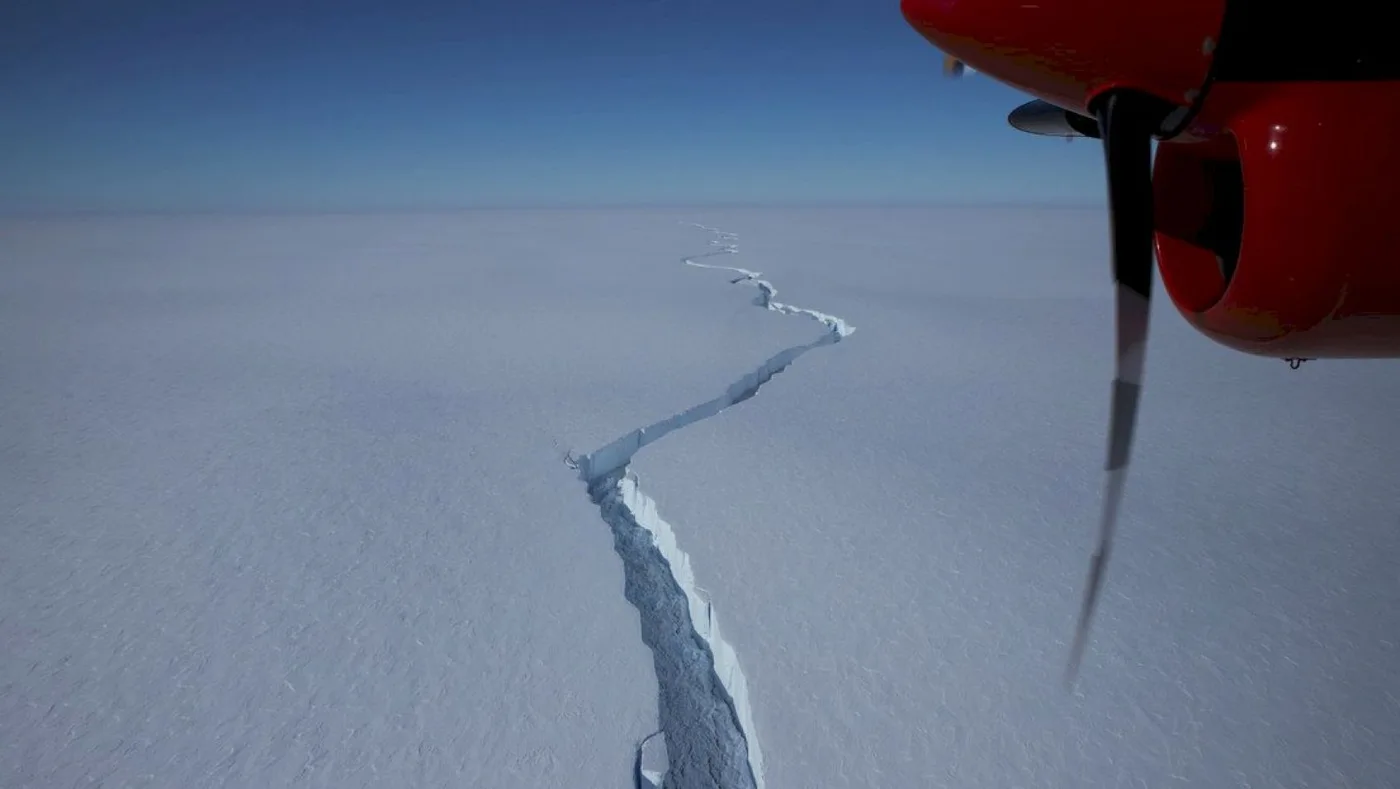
[707, 736]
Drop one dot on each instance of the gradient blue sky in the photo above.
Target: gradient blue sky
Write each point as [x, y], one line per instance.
[158, 105]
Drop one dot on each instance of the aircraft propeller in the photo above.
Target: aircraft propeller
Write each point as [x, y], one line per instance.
[1126, 122]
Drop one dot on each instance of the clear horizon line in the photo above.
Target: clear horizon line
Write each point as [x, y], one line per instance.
[308, 211]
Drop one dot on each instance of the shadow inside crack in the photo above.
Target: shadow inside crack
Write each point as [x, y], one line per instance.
[704, 743]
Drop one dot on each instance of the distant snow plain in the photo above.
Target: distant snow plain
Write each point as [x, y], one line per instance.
[520, 499]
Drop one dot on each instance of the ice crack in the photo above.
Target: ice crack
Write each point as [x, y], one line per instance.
[704, 711]
[707, 736]
[727, 244]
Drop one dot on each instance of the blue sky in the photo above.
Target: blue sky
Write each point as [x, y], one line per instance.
[160, 105]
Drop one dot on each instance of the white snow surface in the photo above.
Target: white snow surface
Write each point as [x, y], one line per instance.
[897, 530]
[284, 499]
[287, 503]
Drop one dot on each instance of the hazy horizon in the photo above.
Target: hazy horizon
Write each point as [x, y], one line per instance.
[1087, 205]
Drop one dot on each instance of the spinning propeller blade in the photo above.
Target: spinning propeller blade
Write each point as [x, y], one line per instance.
[1127, 122]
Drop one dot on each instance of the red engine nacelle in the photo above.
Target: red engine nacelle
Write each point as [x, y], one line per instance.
[1277, 231]
[1277, 178]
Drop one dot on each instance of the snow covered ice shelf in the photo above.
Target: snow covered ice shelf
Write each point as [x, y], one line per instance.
[286, 504]
[897, 530]
[284, 499]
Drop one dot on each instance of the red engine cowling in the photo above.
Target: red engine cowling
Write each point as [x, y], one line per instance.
[1277, 231]
[1277, 185]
